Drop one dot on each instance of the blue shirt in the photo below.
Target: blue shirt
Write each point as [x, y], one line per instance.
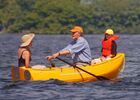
[80, 50]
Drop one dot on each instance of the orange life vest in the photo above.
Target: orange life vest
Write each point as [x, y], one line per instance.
[107, 45]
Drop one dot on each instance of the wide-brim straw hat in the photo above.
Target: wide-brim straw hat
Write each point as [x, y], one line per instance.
[26, 39]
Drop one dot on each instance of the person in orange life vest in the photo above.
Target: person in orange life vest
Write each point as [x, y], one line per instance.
[24, 52]
[109, 47]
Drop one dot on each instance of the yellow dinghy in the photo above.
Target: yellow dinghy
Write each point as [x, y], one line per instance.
[109, 69]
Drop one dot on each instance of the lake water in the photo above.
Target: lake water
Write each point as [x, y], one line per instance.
[127, 88]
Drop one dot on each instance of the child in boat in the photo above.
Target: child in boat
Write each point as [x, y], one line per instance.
[109, 47]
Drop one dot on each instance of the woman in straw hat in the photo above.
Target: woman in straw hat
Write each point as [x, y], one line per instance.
[24, 52]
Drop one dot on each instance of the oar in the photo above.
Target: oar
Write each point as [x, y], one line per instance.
[98, 77]
[52, 64]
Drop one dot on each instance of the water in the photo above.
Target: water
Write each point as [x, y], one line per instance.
[126, 88]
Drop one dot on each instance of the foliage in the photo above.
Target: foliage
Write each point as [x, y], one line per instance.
[59, 16]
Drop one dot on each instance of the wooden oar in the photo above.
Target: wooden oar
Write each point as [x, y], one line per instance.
[98, 77]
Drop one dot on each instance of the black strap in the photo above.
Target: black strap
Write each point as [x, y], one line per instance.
[22, 53]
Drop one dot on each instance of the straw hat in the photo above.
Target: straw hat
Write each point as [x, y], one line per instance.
[77, 29]
[26, 39]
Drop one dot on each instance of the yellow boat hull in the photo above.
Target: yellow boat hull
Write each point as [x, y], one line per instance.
[109, 69]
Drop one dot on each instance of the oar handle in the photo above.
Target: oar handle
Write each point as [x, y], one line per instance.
[52, 64]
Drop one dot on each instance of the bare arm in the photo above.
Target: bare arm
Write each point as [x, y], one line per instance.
[60, 53]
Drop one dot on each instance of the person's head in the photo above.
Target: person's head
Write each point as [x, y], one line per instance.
[77, 32]
[109, 33]
[26, 40]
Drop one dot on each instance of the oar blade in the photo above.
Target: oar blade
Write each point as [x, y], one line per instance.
[101, 78]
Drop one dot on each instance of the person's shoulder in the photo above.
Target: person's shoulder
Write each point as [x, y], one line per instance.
[20, 49]
[26, 52]
[82, 39]
[23, 51]
[115, 37]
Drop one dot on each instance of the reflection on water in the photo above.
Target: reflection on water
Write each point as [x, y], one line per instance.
[126, 88]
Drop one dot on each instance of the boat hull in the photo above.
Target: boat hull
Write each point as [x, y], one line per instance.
[109, 69]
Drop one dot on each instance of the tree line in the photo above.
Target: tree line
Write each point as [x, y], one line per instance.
[59, 16]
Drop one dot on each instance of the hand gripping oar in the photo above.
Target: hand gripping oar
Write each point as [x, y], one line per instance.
[98, 77]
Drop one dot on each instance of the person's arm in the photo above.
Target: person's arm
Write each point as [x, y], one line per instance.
[26, 56]
[70, 49]
[64, 52]
[60, 53]
[115, 37]
[114, 49]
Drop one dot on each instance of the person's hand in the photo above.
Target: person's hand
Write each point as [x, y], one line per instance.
[49, 57]
[52, 56]
[110, 56]
[102, 58]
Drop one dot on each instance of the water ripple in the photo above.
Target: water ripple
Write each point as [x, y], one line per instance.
[125, 88]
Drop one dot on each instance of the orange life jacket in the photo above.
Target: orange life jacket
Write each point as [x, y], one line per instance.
[107, 45]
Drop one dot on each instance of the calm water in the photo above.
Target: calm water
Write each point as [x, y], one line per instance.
[127, 88]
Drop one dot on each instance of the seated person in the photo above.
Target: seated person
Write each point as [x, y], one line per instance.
[24, 52]
[109, 47]
[78, 48]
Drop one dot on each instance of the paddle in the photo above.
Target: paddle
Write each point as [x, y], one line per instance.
[98, 77]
